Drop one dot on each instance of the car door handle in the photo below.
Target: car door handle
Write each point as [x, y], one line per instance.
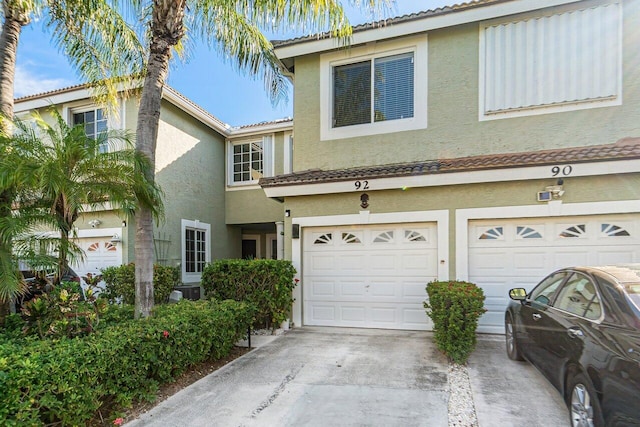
[536, 316]
[575, 333]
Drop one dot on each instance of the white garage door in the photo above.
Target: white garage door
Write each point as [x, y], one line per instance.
[99, 253]
[505, 254]
[368, 276]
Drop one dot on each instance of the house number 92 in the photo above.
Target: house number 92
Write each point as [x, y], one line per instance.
[361, 185]
[564, 171]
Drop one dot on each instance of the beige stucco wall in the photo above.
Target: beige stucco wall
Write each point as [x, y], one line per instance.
[454, 129]
[517, 193]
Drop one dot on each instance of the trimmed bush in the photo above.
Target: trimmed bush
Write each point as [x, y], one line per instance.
[66, 381]
[455, 307]
[121, 283]
[264, 283]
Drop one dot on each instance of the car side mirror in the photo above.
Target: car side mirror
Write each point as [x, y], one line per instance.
[518, 294]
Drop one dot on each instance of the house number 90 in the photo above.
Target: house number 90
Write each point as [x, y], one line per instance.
[361, 185]
[564, 171]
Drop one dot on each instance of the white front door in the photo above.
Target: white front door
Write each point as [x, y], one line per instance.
[368, 276]
[508, 253]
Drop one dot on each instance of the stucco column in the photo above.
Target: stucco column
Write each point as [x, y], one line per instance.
[280, 239]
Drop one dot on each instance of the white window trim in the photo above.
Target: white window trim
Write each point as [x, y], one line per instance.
[268, 161]
[256, 238]
[288, 153]
[549, 108]
[417, 45]
[185, 223]
[114, 120]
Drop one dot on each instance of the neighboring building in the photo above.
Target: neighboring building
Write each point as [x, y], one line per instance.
[492, 141]
[208, 172]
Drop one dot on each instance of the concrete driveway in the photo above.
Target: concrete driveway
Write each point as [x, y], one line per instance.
[356, 377]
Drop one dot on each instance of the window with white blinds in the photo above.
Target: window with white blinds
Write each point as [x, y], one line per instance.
[560, 60]
[376, 90]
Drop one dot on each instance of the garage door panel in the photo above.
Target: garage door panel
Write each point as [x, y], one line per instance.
[383, 289]
[351, 263]
[384, 315]
[323, 288]
[505, 254]
[322, 263]
[353, 313]
[356, 288]
[615, 256]
[322, 312]
[379, 280]
[414, 289]
[383, 262]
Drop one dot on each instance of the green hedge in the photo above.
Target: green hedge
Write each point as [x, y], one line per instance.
[66, 381]
[266, 284]
[454, 308]
[121, 282]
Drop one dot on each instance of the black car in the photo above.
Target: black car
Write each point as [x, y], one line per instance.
[581, 328]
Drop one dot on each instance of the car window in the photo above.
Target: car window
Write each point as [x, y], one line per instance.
[578, 296]
[544, 292]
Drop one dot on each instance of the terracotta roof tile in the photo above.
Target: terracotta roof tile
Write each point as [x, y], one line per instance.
[390, 21]
[624, 149]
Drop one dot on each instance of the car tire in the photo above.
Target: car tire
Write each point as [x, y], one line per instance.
[584, 406]
[513, 348]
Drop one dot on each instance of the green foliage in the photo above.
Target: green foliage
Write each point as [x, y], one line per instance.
[455, 307]
[63, 312]
[121, 283]
[264, 283]
[66, 381]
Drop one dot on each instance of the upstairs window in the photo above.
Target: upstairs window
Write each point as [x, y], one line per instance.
[373, 91]
[94, 121]
[249, 160]
[565, 61]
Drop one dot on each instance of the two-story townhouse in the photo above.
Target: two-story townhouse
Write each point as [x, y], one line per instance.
[202, 166]
[491, 141]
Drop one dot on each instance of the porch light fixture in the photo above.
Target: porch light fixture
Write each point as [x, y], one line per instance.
[124, 223]
[115, 239]
[287, 213]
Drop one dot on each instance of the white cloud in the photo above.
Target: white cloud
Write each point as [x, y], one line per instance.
[28, 83]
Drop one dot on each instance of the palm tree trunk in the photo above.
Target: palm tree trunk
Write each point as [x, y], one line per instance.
[14, 19]
[167, 30]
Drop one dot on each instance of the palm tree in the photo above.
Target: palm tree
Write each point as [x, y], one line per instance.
[99, 44]
[234, 29]
[61, 172]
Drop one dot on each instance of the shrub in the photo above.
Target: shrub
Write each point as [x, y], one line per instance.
[62, 312]
[454, 308]
[66, 381]
[121, 283]
[264, 283]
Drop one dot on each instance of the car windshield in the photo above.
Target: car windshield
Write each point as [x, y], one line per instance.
[633, 289]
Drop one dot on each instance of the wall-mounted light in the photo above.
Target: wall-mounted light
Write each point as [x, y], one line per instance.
[287, 213]
[552, 192]
[94, 223]
[124, 223]
[115, 239]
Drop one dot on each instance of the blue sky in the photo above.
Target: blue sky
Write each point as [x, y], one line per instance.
[204, 77]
